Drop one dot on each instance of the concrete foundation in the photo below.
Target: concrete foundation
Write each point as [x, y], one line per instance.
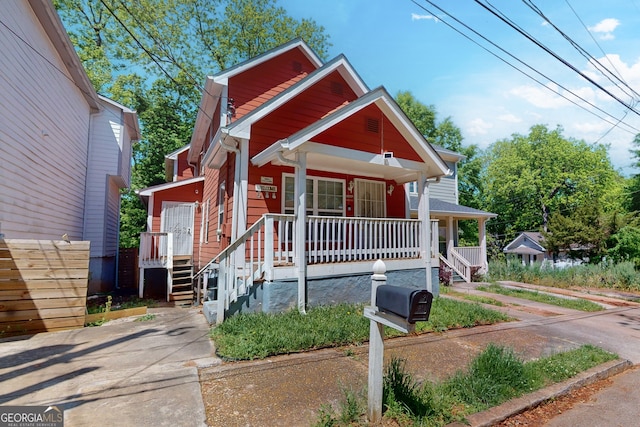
[278, 296]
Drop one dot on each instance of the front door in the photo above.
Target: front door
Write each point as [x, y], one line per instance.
[177, 218]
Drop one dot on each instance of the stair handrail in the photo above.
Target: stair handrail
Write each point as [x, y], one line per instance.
[460, 265]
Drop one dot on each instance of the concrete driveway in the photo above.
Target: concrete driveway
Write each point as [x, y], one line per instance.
[124, 373]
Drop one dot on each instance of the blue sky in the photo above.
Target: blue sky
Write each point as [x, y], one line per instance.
[401, 46]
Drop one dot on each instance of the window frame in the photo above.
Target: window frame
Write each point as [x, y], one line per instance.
[314, 210]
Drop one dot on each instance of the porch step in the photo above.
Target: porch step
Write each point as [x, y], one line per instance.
[182, 281]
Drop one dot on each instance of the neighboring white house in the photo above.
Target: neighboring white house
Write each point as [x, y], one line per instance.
[64, 150]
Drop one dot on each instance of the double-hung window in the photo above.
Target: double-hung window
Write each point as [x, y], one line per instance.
[325, 196]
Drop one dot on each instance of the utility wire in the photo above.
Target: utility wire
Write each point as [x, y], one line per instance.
[595, 62]
[496, 12]
[633, 129]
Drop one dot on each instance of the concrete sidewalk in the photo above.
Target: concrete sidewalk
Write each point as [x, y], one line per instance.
[123, 373]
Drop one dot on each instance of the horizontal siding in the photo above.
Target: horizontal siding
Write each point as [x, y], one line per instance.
[445, 190]
[42, 177]
[257, 85]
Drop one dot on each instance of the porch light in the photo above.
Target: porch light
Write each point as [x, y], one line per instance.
[390, 189]
[350, 188]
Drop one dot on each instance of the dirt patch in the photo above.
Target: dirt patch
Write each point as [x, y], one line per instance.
[541, 415]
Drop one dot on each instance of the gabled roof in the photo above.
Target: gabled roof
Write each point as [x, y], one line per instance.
[130, 117]
[52, 25]
[242, 127]
[215, 86]
[530, 239]
[224, 76]
[302, 140]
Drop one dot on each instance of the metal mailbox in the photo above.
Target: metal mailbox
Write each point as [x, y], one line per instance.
[411, 304]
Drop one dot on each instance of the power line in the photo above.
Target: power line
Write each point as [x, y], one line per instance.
[501, 16]
[633, 130]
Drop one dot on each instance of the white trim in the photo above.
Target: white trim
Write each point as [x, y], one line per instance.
[242, 128]
[315, 179]
[147, 192]
[224, 76]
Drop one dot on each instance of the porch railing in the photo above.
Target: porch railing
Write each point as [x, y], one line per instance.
[344, 239]
[156, 250]
[473, 254]
[460, 265]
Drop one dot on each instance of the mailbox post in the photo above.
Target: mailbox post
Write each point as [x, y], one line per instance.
[398, 308]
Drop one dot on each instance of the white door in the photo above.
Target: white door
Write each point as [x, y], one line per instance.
[177, 218]
[370, 199]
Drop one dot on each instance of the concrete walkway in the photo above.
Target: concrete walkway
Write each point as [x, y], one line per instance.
[124, 373]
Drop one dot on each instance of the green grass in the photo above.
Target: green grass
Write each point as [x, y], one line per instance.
[576, 304]
[260, 335]
[495, 376]
[475, 298]
[145, 318]
[107, 303]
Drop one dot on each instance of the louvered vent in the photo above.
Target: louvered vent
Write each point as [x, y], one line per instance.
[297, 66]
[337, 89]
[372, 125]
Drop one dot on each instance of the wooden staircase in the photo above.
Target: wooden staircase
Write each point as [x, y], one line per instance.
[182, 278]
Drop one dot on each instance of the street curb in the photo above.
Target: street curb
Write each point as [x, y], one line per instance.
[513, 407]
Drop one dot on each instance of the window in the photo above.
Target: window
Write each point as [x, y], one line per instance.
[413, 187]
[204, 228]
[370, 199]
[325, 196]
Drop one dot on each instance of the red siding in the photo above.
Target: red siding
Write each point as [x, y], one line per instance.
[305, 109]
[257, 85]
[353, 133]
[185, 170]
[188, 193]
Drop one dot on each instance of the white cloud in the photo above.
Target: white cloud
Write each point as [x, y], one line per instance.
[478, 127]
[510, 118]
[416, 17]
[605, 28]
[540, 97]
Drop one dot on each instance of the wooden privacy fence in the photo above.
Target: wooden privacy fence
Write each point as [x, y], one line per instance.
[43, 285]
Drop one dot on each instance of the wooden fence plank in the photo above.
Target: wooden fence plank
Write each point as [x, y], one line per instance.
[45, 313]
[29, 304]
[16, 294]
[43, 285]
[45, 273]
[35, 284]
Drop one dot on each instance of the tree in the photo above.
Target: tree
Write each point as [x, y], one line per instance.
[173, 44]
[530, 177]
[582, 234]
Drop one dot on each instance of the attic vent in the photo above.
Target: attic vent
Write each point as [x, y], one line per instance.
[297, 66]
[337, 89]
[372, 125]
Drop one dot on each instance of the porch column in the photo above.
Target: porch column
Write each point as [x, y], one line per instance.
[425, 225]
[301, 221]
[482, 237]
[450, 240]
[240, 179]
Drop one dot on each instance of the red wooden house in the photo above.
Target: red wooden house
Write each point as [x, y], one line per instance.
[293, 184]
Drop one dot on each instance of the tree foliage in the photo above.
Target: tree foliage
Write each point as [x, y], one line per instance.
[153, 56]
[530, 177]
[581, 234]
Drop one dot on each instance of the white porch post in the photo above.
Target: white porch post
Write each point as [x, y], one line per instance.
[425, 226]
[482, 236]
[240, 177]
[450, 240]
[301, 220]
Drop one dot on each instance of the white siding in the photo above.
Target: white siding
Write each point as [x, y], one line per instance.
[102, 201]
[447, 189]
[44, 127]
